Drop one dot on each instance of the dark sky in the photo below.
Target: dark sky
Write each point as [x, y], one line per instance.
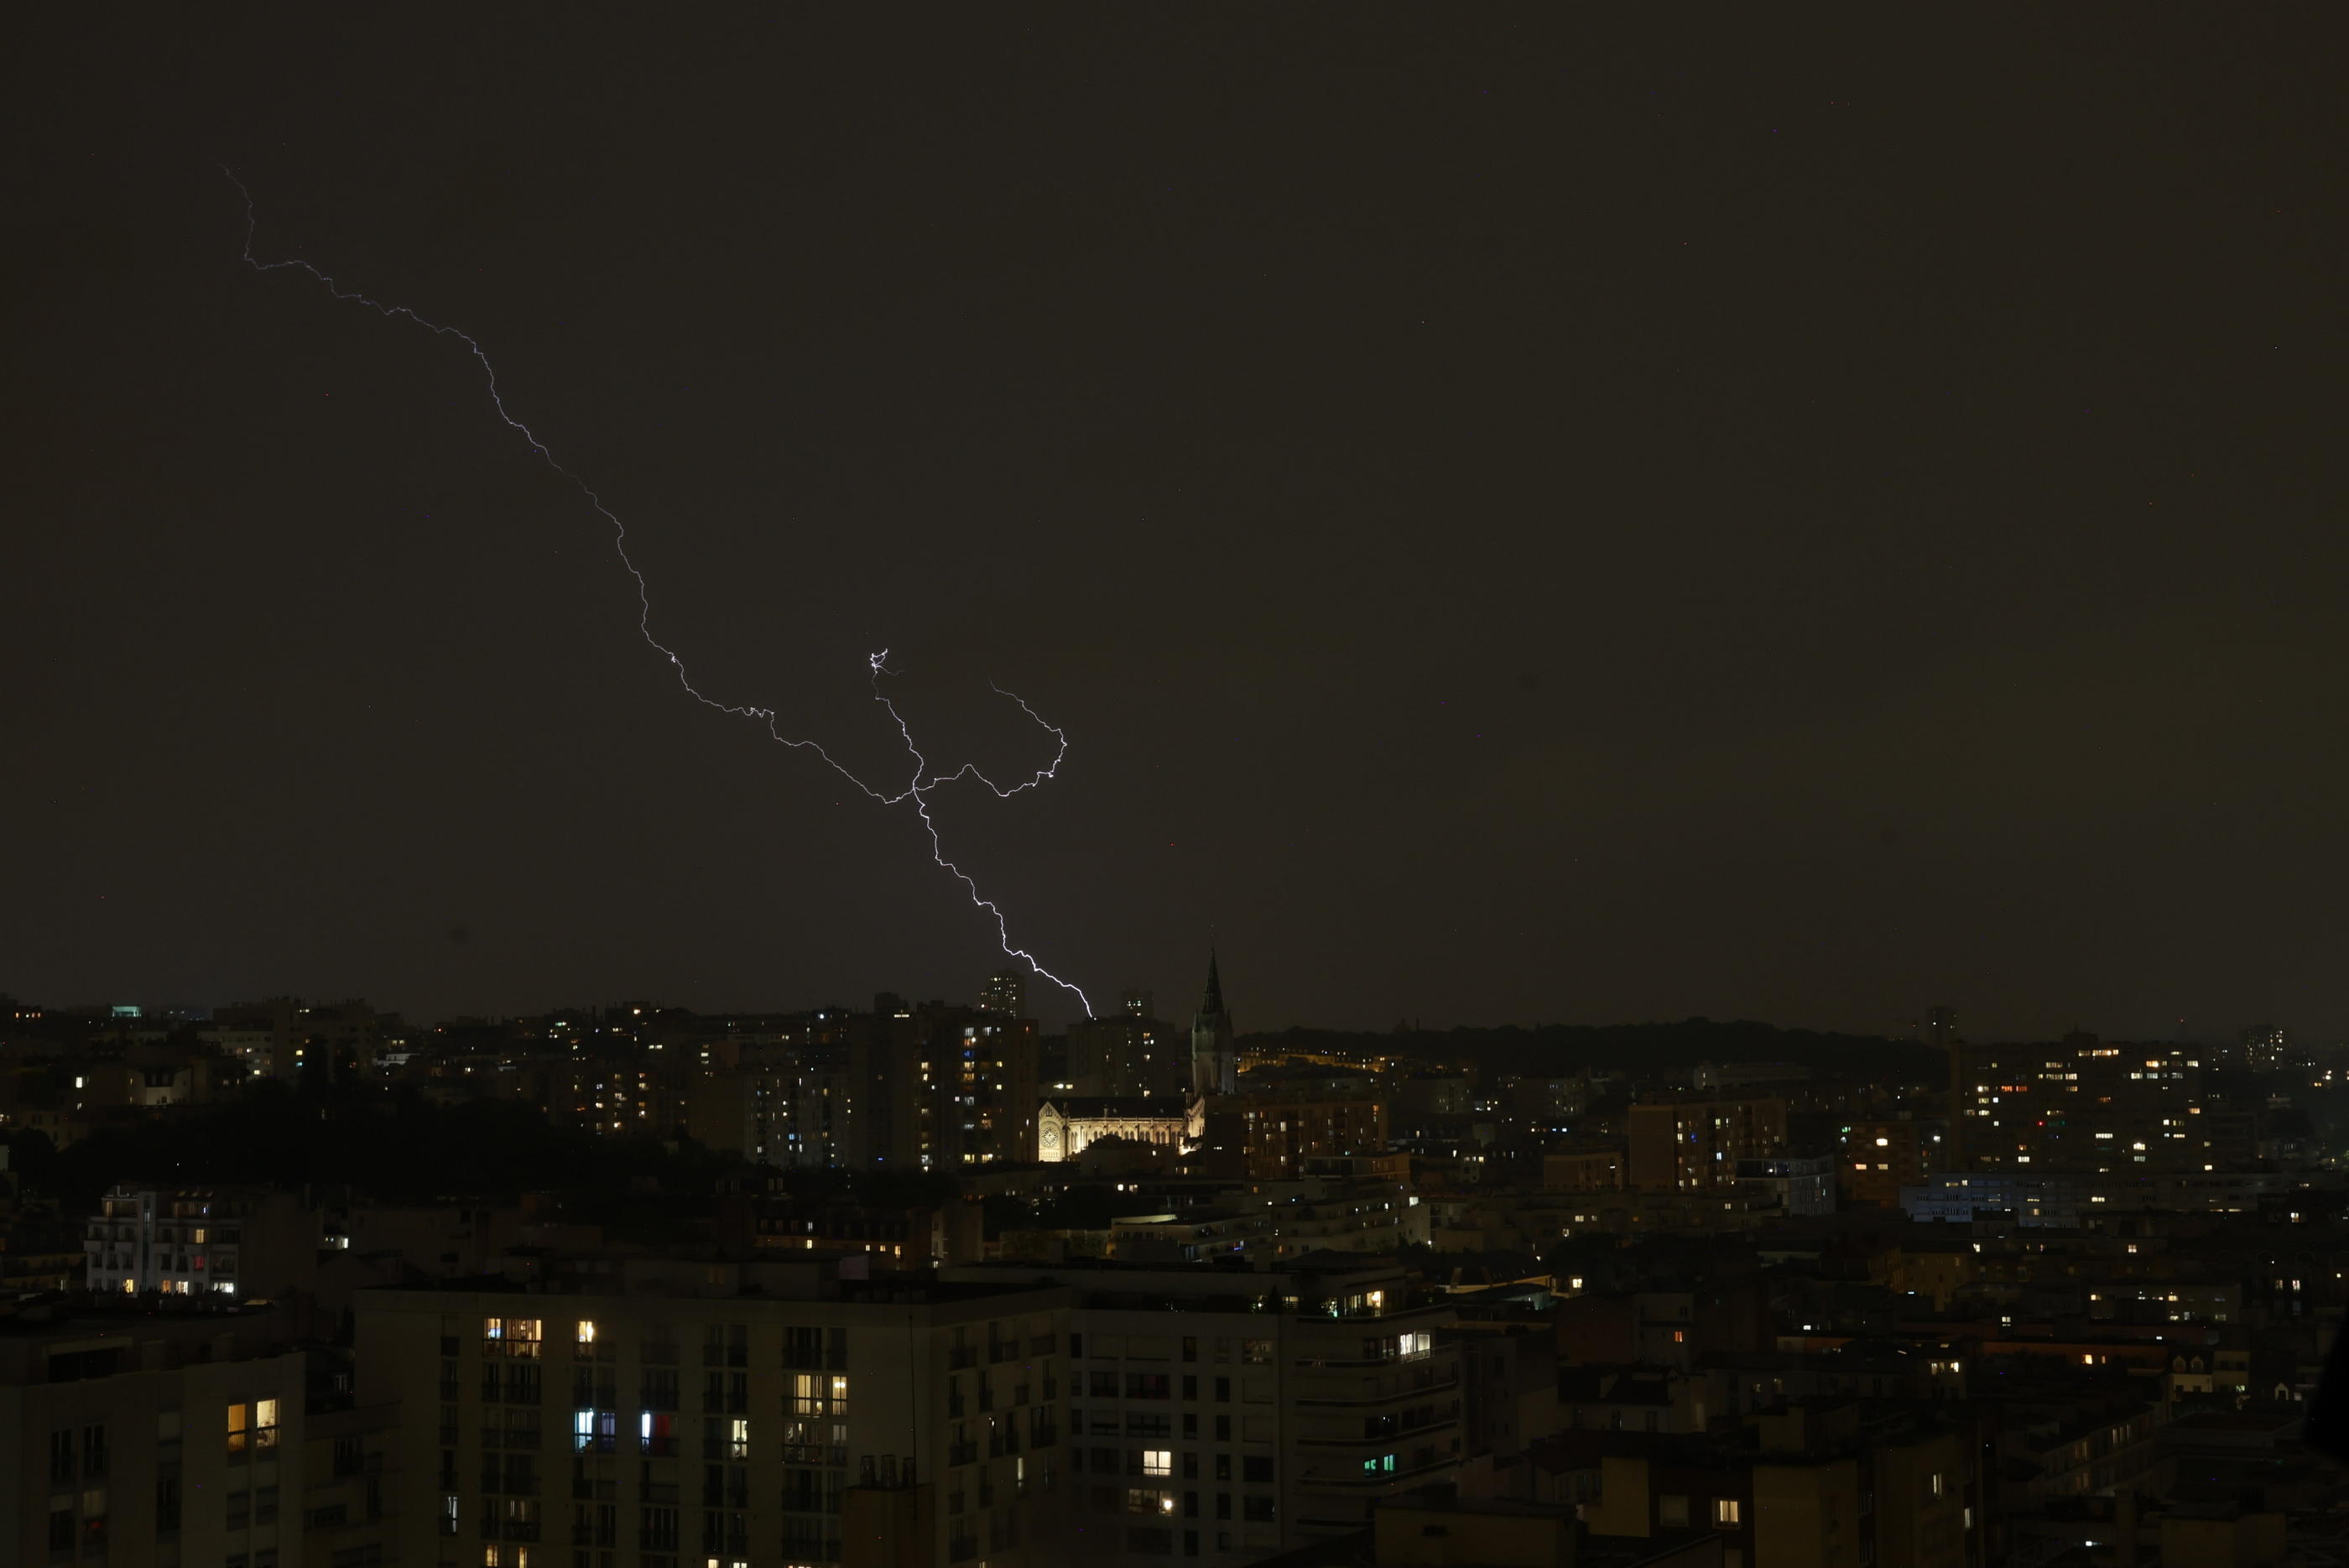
[1536, 512]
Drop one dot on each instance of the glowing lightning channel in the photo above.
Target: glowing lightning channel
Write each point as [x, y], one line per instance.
[917, 789]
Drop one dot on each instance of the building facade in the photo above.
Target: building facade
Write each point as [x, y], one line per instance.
[670, 1415]
[1693, 1145]
[200, 1241]
[1223, 1415]
[192, 1436]
[1064, 1127]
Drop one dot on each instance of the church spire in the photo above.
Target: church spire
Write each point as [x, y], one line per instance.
[1212, 1005]
[1215, 1060]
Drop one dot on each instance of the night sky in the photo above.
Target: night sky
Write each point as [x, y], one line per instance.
[1587, 514]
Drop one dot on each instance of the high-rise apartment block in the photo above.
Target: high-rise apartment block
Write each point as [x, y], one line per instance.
[1006, 992]
[1879, 1158]
[1222, 1415]
[200, 1241]
[2083, 1105]
[939, 1088]
[1127, 1053]
[1279, 1133]
[668, 1414]
[192, 1436]
[1687, 1144]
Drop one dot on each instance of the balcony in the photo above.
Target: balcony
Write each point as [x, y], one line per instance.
[1415, 1392]
[1398, 1359]
[1385, 1439]
[1374, 1481]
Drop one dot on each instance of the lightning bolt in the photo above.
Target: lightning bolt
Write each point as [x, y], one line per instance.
[917, 789]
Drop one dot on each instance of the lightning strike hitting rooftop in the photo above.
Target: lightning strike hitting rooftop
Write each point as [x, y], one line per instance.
[917, 789]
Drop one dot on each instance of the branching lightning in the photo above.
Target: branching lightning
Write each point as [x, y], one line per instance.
[917, 789]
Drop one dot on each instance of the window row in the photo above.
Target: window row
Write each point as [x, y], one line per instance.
[1168, 1347]
[1256, 1467]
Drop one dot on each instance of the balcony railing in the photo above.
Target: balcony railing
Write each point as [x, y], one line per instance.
[1372, 1479]
[1385, 1439]
[1398, 1359]
[1418, 1391]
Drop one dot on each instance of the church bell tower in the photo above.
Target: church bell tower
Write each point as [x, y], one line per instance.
[1215, 1060]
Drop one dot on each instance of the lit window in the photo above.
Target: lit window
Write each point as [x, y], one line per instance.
[1727, 1513]
[1158, 1461]
[587, 1334]
[253, 1426]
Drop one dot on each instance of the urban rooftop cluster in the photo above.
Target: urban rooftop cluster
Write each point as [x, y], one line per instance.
[632, 1286]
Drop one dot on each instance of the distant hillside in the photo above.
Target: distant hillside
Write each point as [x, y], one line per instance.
[1640, 1049]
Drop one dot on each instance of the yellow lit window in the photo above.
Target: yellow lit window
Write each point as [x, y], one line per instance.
[253, 1426]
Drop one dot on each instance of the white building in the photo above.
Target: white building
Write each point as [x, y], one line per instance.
[200, 1242]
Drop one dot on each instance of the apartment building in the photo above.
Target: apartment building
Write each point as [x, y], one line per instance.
[1879, 1158]
[1684, 1143]
[1809, 1487]
[1284, 1136]
[940, 1088]
[200, 1241]
[648, 1413]
[780, 1109]
[1221, 1415]
[1598, 1167]
[188, 1437]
